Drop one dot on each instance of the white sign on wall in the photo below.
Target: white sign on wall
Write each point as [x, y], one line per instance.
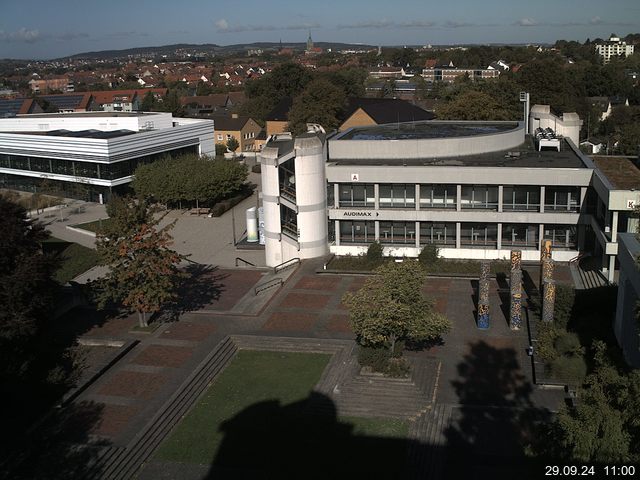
[355, 177]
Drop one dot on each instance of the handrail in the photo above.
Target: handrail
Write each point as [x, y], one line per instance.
[579, 257]
[286, 264]
[268, 284]
[243, 261]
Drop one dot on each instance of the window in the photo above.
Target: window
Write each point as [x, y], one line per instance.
[398, 233]
[287, 176]
[521, 198]
[561, 199]
[357, 232]
[228, 137]
[357, 195]
[474, 235]
[289, 222]
[520, 236]
[479, 197]
[220, 136]
[563, 237]
[330, 195]
[438, 196]
[443, 234]
[397, 195]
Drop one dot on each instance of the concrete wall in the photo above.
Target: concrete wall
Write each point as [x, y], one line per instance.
[625, 325]
[568, 125]
[88, 121]
[428, 147]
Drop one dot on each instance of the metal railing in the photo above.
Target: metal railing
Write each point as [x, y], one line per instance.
[285, 265]
[268, 284]
[238, 259]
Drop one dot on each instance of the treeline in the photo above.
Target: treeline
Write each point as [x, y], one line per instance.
[318, 97]
[189, 179]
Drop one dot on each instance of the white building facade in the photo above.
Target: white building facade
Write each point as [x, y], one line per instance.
[614, 47]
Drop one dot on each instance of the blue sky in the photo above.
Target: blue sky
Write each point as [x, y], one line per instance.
[50, 29]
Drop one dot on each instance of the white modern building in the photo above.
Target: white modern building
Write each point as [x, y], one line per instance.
[614, 47]
[99, 150]
[476, 190]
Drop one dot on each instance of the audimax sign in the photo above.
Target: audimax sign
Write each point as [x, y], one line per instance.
[363, 214]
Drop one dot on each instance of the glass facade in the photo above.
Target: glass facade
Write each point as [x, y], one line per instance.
[441, 234]
[438, 196]
[562, 199]
[521, 198]
[520, 236]
[357, 232]
[287, 177]
[357, 195]
[289, 222]
[481, 197]
[397, 195]
[563, 237]
[398, 233]
[476, 235]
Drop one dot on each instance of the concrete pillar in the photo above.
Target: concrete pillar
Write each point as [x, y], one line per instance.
[500, 197]
[376, 195]
[548, 301]
[417, 234]
[612, 268]
[614, 226]
[458, 228]
[499, 237]
[542, 189]
[417, 196]
[336, 195]
[483, 296]
[458, 198]
[583, 199]
[377, 229]
[582, 232]
[337, 230]
[540, 237]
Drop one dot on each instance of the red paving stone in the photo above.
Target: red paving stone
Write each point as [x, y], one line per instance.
[232, 285]
[290, 322]
[194, 332]
[441, 304]
[339, 324]
[318, 283]
[305, 300]
[113, 327]
[163, 356]
[114, 419]
[133, 384]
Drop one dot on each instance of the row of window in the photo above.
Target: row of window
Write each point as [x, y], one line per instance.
[104, 171]
[440, 196]
[472, 235]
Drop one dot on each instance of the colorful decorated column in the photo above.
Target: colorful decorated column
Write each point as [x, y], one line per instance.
[545, 253]
[515, 314]
[548, 300]
[516, 260]
[483, 296]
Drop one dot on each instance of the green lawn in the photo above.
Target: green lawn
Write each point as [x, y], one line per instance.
[93, 226]
[74, 259]
[254, 417]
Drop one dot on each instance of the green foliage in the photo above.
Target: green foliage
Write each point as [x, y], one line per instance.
[568, 343]
[221, 149]
[390, 307]
[256, 168]
[320, 102]
[190, 179]
[570, 369]
[429, 255]
[73, 259]
[142, 270]
[233, 144]
[375, 253]
[473, 105]
[376, 358]
[563, 306]
[149, 103]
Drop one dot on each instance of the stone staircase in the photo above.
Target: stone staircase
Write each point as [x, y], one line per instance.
[427, 453]
[586, 274]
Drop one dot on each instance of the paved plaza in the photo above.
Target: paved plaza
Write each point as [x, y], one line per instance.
[470, 373]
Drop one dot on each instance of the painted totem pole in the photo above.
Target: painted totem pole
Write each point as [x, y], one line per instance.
[483, 296]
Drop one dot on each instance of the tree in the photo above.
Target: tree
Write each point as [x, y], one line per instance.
[26, 290]
[390, 307]
[232, 144]
[473, 105]
[149, 102]
[320, 102]
[143, 271]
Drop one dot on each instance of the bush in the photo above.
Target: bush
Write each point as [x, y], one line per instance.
[374, 253]
[547, 335]
[429, 255]
[256, 168]
[568, 344]
[398, 367]
[569, 369]
[563, 307]
[375, 357]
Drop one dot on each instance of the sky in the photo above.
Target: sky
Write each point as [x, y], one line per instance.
[44, 29]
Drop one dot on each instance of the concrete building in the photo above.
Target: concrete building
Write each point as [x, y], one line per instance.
[449, 73]
[614, 47]
[625, 326]
[243, 129]
[476, 190]
[96, 151]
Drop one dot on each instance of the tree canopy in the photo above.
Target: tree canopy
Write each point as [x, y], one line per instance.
[320, 102]
[143, 271]
[390, 307]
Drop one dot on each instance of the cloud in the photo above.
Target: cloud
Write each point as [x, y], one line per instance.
[454, 24]
[127, 34]
[66, 36]
[596, 21]
[21, 35]
[223, 26]
[527, 22]
[418, 24]
[369, 24]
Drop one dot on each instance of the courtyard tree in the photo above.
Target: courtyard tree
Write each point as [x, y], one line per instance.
[143, 271]
[390, 307]
[320, 102]
[232, 144]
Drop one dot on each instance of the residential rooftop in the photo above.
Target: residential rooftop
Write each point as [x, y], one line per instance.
[621, 172]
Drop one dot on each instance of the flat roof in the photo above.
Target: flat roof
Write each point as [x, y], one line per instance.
[621, 172]
[524, 156]
[99, 134]
[89, 114]
[425, 130]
